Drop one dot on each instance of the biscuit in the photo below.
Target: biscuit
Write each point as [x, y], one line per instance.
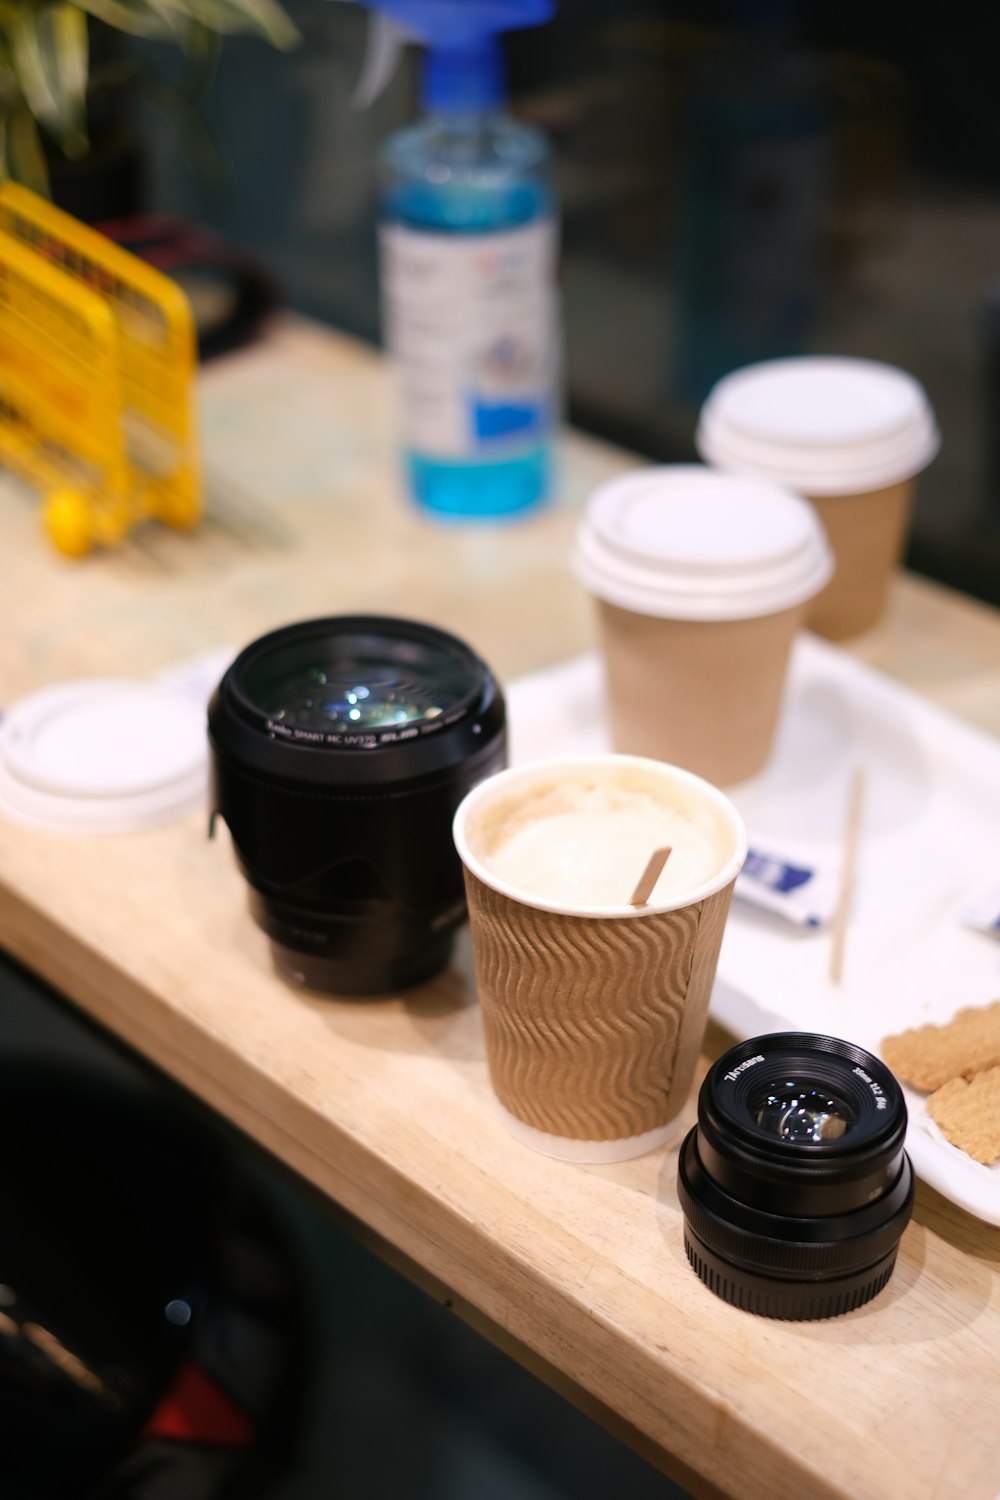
[929, 1056]
[969, 1114]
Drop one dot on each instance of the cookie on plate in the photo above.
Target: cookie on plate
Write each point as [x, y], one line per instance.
[929, 1056]
[969, 1114]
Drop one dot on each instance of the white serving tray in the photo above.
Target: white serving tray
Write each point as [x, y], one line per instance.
[930, 836]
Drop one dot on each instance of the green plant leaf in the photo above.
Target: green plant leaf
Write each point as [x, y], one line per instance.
[264, 17]
[26, 50]
[44, 63]
[203, 49]
[25, 156]
[9, 86]
[67, 34]
[49, 51]
[179, 18]
[181, 110]
[134, 16]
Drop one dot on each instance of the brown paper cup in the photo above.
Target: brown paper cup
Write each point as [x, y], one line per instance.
[593, 1023]
[867, 533]
[703, 694]
[852, 434]
[701, 580]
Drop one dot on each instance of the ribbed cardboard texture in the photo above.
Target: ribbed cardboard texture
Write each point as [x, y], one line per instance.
[593, 1024]
[867, 533]
[702, 694]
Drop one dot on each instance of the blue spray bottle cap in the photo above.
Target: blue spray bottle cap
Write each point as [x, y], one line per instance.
[463, 70]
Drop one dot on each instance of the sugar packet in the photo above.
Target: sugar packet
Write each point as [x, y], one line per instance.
[801, 893]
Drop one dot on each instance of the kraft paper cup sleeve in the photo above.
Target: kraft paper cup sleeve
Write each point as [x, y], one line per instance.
[593, 1024]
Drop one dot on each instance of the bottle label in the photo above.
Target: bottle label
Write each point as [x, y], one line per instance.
[470, 323]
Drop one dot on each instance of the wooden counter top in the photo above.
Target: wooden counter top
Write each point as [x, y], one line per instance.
[385, 1105]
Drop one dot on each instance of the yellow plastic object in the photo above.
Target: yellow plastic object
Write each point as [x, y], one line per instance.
[97, 358]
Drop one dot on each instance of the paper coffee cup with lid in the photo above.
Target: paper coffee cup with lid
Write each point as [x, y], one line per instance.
[701, 581]
[852, 435]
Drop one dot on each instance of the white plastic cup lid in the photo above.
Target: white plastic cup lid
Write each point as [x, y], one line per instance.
[52, 813]
[686, 542]
[822, 425]
[102, 754]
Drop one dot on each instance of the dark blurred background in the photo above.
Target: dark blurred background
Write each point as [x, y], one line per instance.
[394, 1397]
[739, 180]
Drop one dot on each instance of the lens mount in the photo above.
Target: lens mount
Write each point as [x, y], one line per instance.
[784, 1215]
[341, 748]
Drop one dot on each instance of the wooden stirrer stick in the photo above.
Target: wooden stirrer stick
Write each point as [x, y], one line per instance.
[848, 869]
[650, 875]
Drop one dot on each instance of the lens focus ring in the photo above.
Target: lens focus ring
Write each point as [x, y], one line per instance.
[794, 1186]
[770, 1243]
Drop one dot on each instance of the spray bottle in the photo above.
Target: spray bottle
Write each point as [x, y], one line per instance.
[468, 257]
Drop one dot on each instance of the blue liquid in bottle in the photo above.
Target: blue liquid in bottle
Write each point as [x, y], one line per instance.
[475, 349]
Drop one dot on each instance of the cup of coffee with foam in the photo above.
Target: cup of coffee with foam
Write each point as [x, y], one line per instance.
[852, 435]
[598, 889]
[701, 581]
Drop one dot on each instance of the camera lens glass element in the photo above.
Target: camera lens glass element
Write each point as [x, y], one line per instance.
[796, 1110]
[794, 1182]
[340, 751]
[357, 685]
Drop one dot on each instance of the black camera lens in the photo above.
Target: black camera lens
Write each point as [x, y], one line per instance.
[794, 1183]
[341, 749]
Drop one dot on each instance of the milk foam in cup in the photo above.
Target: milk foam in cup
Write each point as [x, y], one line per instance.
[701, 580]
[852, 435]
[594, 1009]
[584, 843]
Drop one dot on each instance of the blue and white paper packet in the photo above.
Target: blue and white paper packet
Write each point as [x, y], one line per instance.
[799, 892]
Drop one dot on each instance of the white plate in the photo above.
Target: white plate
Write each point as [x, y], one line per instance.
[930, 837]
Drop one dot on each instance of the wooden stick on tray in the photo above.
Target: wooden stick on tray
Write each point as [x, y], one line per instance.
[848, 871]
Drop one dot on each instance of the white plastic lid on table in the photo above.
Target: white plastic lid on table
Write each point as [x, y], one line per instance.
[824, 425]
[686, 542]
[103, 755]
